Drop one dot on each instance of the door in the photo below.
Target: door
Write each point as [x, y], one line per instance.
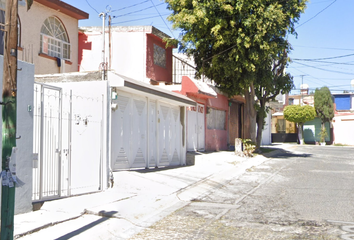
[196, 128]
[47, 142]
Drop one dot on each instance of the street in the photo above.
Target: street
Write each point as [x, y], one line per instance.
[306, 194]
[302, 192]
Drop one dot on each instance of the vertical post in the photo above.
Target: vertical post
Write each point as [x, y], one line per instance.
[103, 44]
[110, 42]
[9, 118]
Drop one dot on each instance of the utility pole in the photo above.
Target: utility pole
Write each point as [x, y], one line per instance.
[103, 44]
[302, 85]
[9, 97]
[110, 41]
[9, 119]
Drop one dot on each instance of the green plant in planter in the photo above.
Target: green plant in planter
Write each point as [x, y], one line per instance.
[248, 147]
[323, 134]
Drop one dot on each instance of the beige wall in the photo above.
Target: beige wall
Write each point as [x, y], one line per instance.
[31, 23]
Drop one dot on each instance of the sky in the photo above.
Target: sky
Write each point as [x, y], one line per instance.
[323, 51]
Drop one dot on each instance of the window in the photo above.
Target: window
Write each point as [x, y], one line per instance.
[291, 101]
[54, 40]
[216, 119]
[159, 56]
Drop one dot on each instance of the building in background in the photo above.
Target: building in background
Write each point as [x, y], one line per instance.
[48, 35]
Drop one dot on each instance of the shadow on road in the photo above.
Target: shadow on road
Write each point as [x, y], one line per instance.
[281, 153]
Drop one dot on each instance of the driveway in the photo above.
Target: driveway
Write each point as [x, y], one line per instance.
[307, 193]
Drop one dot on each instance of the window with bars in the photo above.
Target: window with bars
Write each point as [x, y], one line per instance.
[216, 119]
[54, 39]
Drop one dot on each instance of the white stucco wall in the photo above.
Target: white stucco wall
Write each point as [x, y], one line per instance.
[128, 56]
[343, 129]
[31, 23]
[267, 130]
[25, 82]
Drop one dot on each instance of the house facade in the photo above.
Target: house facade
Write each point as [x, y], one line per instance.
[216, 121]
[343, 121]
[48, 35]
[137, 52]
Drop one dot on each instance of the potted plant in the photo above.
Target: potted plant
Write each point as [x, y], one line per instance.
[323, 135]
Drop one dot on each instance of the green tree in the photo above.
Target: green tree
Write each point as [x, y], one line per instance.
[229, 40]
[270, 82]
[299, 114]
[324, 106]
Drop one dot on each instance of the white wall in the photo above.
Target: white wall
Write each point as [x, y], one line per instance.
[25, 82]
[128, 53]
[343, 129]
[267, 130]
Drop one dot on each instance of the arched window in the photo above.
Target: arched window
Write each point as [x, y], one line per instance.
[54, 40]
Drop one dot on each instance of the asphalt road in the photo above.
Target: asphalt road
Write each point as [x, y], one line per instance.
[304, 194]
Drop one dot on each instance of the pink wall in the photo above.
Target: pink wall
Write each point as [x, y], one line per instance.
[153, 71]
[215, 140]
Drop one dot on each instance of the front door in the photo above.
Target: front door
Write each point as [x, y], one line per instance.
[196, 128]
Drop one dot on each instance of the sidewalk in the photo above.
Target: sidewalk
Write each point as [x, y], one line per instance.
[140, 198]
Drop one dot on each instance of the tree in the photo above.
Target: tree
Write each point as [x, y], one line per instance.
[229, 40]
[324, 106]
[299, 114]
[270, 82]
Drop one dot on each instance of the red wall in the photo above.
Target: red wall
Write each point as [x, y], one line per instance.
[153, 71]
[83, 44]
[216, 140]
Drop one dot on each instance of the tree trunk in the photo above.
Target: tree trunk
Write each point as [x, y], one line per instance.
[250, 114]
[260, 122]
[300, 133]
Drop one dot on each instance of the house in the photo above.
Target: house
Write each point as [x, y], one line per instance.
[39, 51]
[343, 121]
[285, 131]
[148, 125]
[48, 35]
[217, 120]
[137, 52]
[96, 126]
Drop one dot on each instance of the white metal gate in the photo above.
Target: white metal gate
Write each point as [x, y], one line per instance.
[196, 128]
[47, 142]
[67, 140]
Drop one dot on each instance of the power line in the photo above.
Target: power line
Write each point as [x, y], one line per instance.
[324, 69]
[162, 18]
[92, 7]
[329, 63]
[344, 49]
[134, 20]
[140, 10]
[130, 6]
[327, 58]
[316, 14]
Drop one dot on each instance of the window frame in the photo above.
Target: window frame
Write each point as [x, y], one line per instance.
[52, 45]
